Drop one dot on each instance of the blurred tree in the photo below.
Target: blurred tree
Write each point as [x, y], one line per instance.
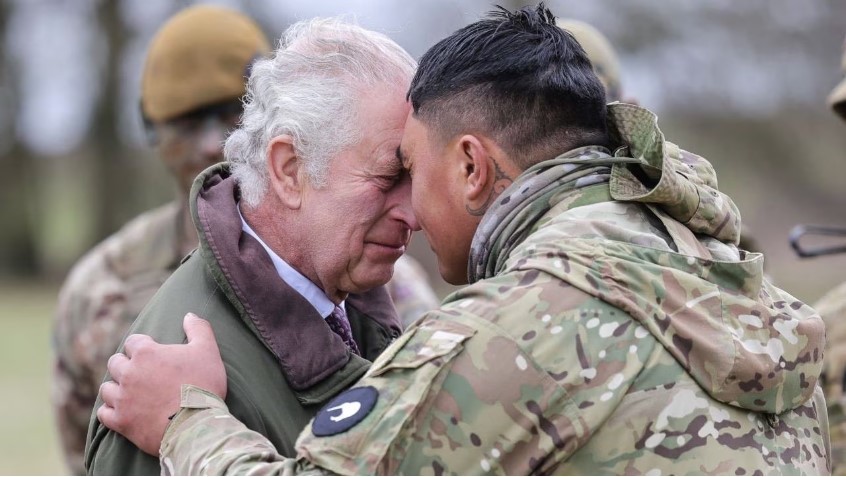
[17, 243]
[112, 181]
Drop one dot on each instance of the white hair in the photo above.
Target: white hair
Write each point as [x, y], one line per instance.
[310, 89]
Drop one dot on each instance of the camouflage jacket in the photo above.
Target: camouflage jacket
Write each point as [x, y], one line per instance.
[611, 327]
[832, 307]
[102, 295]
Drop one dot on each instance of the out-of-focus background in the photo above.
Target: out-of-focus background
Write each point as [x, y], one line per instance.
[741, 83]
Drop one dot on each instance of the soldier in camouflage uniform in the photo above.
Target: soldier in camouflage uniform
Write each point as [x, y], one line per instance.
[832, 307]
[611, 325]
[190, 97]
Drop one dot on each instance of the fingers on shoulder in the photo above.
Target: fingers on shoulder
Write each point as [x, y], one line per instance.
[117, 366]
[107, 413]
[136, 343]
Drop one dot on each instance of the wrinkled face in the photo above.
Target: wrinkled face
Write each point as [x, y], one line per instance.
[189, 144]
[360, 222]
[438, 184]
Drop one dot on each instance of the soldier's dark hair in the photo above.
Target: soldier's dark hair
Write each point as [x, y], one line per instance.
[516, 77]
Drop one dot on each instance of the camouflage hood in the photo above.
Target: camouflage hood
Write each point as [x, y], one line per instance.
[578, 217]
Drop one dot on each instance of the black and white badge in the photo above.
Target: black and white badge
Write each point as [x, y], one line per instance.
[345, 411]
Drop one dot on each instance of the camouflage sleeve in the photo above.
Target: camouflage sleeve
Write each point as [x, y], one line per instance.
[204, 439]
[511, 376]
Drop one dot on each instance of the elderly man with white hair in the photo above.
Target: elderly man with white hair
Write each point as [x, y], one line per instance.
[298, 233]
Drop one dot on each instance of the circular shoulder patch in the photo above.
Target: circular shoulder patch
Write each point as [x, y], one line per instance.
[345, 411]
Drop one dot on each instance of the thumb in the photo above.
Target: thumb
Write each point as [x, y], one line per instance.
[197, 330]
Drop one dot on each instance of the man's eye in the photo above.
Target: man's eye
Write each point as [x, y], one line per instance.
[391, 180]
[385, 181]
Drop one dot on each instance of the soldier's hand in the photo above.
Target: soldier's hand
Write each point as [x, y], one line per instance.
[147, 382]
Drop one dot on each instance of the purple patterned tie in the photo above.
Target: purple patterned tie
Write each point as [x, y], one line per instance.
[339, 323]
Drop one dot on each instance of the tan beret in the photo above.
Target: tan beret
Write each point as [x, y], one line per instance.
[200, 57]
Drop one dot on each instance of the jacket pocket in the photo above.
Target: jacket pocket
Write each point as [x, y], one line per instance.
[425, 343]
[407, 375]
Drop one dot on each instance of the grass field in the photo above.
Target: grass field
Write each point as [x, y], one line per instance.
[28, 441]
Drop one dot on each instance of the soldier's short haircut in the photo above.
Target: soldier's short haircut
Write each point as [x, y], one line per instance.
[516, 77]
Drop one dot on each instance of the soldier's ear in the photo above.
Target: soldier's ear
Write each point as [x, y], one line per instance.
[476, 169]
[486, 171]
[285, 171]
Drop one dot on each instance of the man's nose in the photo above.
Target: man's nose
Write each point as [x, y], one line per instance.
[403, 207]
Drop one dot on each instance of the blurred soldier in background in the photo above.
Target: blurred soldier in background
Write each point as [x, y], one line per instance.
[191, 90]
[832, 307]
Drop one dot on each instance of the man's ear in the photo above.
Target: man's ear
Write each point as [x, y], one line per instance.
[474, 161]
[283, 166]
[486, 170]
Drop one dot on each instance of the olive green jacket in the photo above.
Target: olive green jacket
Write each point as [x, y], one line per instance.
[282, 360]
